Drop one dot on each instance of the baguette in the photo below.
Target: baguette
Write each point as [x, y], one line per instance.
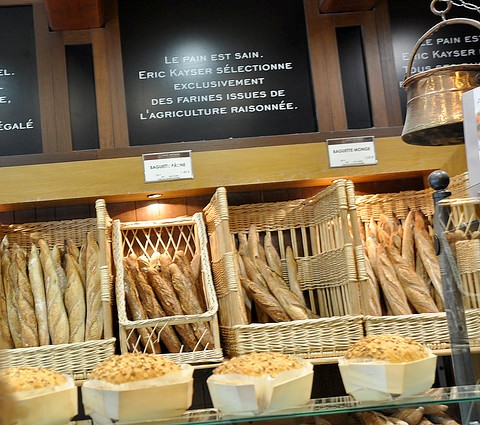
[264, 300]
[25, 303]
[56, 313]
[181, 261]
[428, 256]
[93, 290]
[408, 240]
[292, 272]
[57, 262]
[392, 288]
[151, 305]
[287, 299]
[190, 304]
[12, 312]
[35, 276]
[6, 340]
[253, 242]
[137, 312]
[271, 254]
[165, 293]
[415, 290]
[373, 291]
[75, 301]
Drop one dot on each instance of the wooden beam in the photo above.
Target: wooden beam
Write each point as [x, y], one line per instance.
[64, 15]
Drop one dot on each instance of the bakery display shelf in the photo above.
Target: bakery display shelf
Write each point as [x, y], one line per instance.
[325, 406]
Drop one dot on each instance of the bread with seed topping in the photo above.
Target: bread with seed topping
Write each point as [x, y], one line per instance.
[388, 347]
[27, 378]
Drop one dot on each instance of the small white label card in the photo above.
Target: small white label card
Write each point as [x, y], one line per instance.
[167, 166]
[351, 151]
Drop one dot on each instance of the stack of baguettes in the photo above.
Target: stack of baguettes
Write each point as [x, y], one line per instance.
[50, 295]
[162, 286]
[268, 297]
[402, 266]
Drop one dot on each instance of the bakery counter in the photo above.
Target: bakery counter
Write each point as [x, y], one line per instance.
[337, 410]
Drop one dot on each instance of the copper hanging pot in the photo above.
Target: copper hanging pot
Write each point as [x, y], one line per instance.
[434, 97]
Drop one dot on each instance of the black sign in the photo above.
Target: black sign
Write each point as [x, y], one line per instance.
[215, 69]
[452, 44]
[20, 131]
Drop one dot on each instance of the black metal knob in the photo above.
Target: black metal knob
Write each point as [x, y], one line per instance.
[438, 180]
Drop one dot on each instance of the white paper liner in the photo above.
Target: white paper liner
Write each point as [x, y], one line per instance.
[377, 380]
[238, 394]
[162, 397]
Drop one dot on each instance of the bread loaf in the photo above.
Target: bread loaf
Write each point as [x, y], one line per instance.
[190, 304]
[264, 300]
[151, 305]
[137, 312]
[27, 378]
[57, 315]
[408, 240]
[181, 261]
[165, 293]
[6, 340]
[57, 262]
[273, 257]
[392, 288]
[10, 289]
[35, 275]
[25, 303]
[75, 301]
[388, 347]
[93, 290]
[292, 272]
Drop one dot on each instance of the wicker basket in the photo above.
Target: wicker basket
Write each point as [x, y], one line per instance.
[75, 359]
[432, 328]
[323, 234]
[170, 235]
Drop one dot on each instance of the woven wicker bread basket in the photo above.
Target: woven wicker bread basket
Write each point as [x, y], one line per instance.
[323, 235]
[169, 235]
[430, 329]
[75, 359]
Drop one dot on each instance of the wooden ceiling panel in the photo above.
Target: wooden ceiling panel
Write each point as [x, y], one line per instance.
[66, 15]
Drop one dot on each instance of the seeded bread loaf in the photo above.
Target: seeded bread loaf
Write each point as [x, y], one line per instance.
[257, 364]
[26, 378]
[131, 367]
[388, 347]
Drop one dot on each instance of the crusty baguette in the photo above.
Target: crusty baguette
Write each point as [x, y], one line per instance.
[242, 244]
[25, 302]
[264, 300]
[415, 290]
[75, 301]
[137, 312]
[93, 290]
[392, 288]
[408, 240]
[411, 415]
[253, 242]
[152, 308]
[12, 313]
[428, 256]
[271, 254]
[182, 262]
[165, 293]
[190, 304]
[35, 275]
[57, 262]
[292, 273]
[6, 340]
[57, 314]
[287, 299]
[372, 290]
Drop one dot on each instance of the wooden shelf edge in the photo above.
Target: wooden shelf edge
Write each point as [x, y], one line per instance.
[298, 165]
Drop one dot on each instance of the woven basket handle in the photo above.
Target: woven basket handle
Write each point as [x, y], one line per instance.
[436, 27]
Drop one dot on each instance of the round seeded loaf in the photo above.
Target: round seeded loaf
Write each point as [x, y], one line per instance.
[130, 367]
[388, 347]
[256, 364]
[26, 378]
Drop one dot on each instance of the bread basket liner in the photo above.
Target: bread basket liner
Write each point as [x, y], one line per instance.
[47, 406]
[244, 395]
[157, 398]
